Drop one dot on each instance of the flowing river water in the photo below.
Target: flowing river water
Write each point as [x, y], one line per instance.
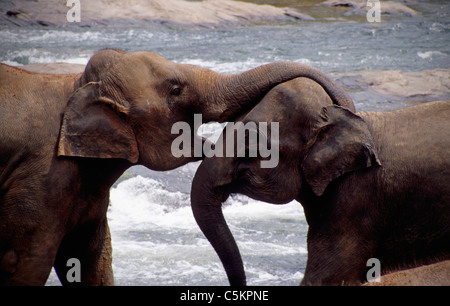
[155, 238]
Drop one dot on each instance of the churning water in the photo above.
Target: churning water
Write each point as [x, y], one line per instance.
[155, 238]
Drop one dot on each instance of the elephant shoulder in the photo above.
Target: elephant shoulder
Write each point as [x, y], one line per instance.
[31, 108]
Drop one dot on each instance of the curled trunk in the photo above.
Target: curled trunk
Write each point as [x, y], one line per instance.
[232, 95]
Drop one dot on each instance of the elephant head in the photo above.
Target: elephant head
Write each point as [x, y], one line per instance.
[318, 142]
[126, 103]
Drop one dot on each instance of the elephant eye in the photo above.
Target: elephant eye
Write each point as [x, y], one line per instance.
[175, 91]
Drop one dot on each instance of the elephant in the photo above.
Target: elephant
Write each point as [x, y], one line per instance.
[371, 184]
[65, 139]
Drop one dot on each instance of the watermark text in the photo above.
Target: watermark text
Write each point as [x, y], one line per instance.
[74, 13]
[374, 273]
[74, 273]
[374, 13]
[251, 133]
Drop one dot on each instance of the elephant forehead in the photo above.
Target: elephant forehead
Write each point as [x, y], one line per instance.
[291, 131]
[131, 82]
[146, 55]
[265, 111]
[148, 63]
[275, 113]
[300, 97]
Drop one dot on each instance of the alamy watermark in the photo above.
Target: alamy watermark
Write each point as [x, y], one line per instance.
[257, 141]
[374, 13]
[373, 275]
[73, 275]
[74, 13]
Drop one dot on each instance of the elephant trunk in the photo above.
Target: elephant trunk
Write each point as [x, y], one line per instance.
[232, 95]
[206, 204]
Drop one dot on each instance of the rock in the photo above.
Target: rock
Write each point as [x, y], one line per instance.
[297, 15]
[138, 12]
[415, 84]
[361, 7]
[437, 274]
[427, 85]
[12, 13]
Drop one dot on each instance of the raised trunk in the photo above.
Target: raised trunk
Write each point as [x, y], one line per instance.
[233, 95]
[206, 204]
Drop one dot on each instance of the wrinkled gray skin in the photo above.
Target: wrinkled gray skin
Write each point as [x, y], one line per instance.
[65, 139]
[371, 184]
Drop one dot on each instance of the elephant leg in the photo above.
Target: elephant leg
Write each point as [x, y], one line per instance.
[91, 246]
[28, 238]
[25, 260]
[31, 269]
[337, 259]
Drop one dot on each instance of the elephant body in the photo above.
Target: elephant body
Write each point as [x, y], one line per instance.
[398, 212]
[51, 209]
[372, 184]
[65, 139]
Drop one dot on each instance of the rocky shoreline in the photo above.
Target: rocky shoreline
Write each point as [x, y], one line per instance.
[406, 86]
[360, 7]
[206, 13]
[209, 13]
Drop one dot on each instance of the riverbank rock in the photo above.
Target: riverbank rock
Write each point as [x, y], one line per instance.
[361, 7]
[207, 13]
[426, 85]
[437, 274]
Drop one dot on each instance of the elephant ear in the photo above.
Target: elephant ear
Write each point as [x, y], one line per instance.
[343, 144]
[95, 127]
